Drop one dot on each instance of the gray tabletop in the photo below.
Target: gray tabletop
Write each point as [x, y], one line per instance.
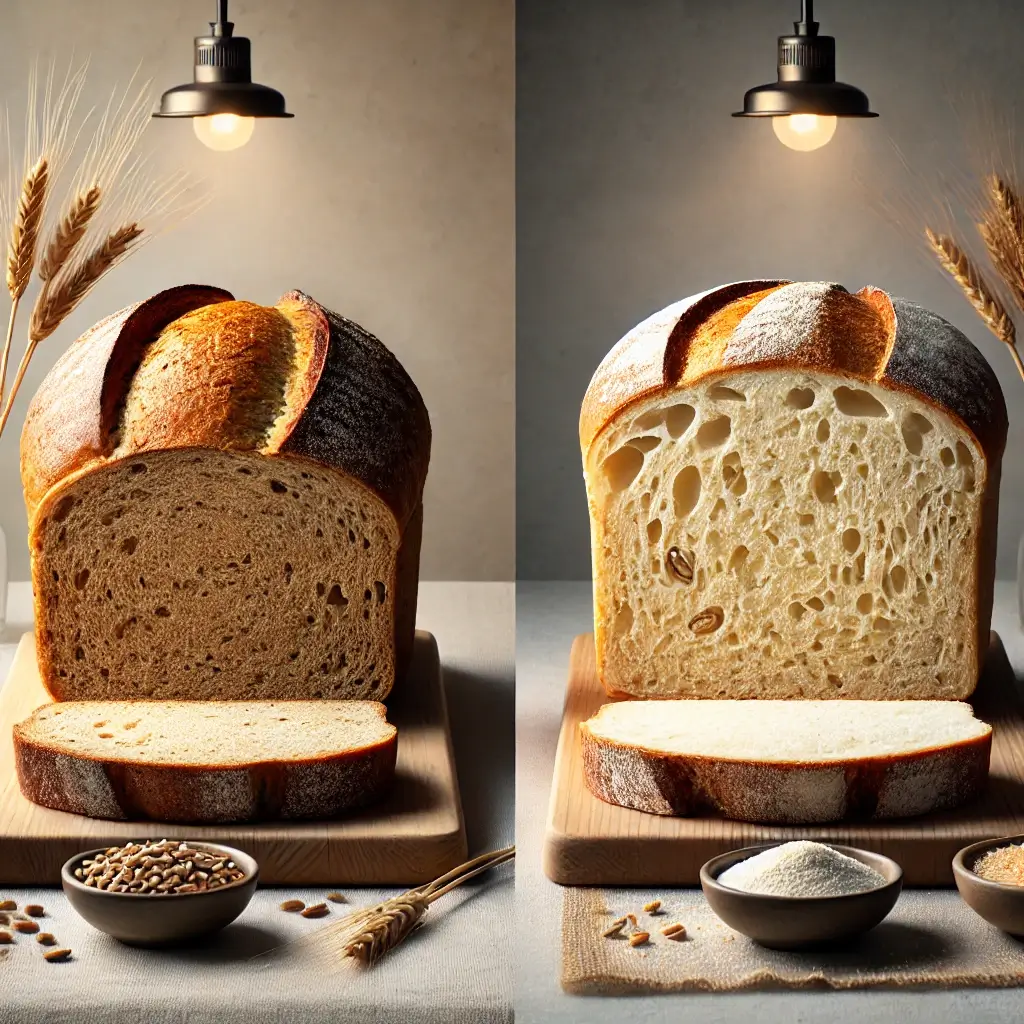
[456, 968]
[548, 616]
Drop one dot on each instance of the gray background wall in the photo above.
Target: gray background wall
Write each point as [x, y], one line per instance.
[635, 188]
[389, 197]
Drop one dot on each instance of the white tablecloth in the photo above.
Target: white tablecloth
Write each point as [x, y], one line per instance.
[548, 616]
[455, 969]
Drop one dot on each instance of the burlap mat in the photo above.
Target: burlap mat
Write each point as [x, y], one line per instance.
[932, 939]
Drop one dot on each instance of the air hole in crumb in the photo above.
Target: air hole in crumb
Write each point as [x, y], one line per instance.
[797, 611]
[816, 603]
[621, 467]
[686, 490]
[654, 531]
[714, 432]
[63, 508]
[856, 402]
[162, 612]
[947, 457]
[139, 467]
[720, 393]
[738, 557]
[278, 488]
[81, 578]
[898, 575]
[915, 427]
[336, 597]
[851, 540]
[800, 398]
[823, 431]
[79, 654]
[129, 544]
[287, 572]
[824, 486]
[678, 419]
[644, 444]
[320, 590]
[380, 590]
[865, 603]
[834, 681]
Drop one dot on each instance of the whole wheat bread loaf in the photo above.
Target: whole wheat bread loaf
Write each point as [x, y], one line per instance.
[793, 493]
[786, 761]
[225, 502]
[218, 761]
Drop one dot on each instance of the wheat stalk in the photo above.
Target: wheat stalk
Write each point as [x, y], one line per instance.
[367, 934]
[68, 232]
[987, 305]
[59, 296]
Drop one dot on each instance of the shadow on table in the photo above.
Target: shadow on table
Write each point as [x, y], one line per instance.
[481, 710]
[234, 944]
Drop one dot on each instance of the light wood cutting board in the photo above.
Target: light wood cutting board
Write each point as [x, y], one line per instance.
[590, 842]
[415, 836]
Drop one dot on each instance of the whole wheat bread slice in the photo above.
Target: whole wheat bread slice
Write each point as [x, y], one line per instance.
[219, 761]
[786, 761]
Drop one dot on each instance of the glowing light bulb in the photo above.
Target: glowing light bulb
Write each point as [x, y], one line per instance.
[223, 131]
[805, 131]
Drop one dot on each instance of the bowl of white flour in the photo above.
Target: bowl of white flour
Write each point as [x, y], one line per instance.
[801, 894]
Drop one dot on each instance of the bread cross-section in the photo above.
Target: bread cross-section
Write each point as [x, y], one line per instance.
[225, 502]
[793, 493]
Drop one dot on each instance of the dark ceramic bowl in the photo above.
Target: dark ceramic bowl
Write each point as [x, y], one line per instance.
[999, 903]
[786, 922]
[142, 920]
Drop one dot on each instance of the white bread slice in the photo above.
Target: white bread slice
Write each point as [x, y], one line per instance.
[791, 762]
[789, 518]
[218, 761]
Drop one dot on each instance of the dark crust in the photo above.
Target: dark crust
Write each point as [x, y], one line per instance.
[365, 417]
[686, 785]
[317, 788]
[71, 419]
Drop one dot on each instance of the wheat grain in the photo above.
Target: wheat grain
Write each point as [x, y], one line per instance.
[69, 232]
[60, 296]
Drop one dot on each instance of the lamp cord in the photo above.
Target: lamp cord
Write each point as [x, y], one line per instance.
[806, 26]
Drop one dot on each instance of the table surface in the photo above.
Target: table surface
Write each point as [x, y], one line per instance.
[454, 969]
[548, 616]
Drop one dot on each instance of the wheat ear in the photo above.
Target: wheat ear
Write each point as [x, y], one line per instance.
[21, 250]
[957, 264]
[367, 934]
[1002, 230]
[59, 296]
[68, 233]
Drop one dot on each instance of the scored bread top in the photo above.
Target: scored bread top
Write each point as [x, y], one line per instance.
[192, 367]
[802, 325]
[213, 734]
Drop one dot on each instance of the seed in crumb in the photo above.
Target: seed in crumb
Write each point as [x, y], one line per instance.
[8, 905]
[46, 939]
[317, 910]
[653, 907]
[674, 931]
[639, 938]
[6, 938]
[35, 910]
[26, 927]
[290, 906]
[56, 955]
[336, 897]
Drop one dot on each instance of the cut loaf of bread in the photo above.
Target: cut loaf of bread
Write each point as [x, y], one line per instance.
[793, 493]
[786, 762]
[219, 761]
[225, 503]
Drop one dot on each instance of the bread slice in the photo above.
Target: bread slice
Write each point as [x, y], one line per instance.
[786, 762]
[798, 502]
[225, 504]
[221, 761]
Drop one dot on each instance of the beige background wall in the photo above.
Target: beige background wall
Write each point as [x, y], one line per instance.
[389, 197]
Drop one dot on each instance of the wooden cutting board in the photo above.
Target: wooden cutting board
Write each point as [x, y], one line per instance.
[590, 842]
[415, 836]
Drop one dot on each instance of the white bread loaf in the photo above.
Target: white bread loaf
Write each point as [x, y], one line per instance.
[786, 762]
[217, 761]
[793, 493]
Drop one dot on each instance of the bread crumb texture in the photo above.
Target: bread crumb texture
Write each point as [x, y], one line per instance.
[786, 532]
[211, 575]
